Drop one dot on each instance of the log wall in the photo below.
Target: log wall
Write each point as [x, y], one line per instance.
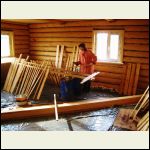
[45, 37]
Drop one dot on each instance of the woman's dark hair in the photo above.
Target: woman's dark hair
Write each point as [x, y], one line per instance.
[82, 45]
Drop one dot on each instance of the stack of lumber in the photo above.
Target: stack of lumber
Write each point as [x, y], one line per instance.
[137, 118]
[131, 79]
[26, 77]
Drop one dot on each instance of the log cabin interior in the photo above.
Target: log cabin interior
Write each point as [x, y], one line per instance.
[38, 54]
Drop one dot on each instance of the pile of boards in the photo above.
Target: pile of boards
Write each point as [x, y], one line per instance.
[28, 77]
[25, 77]
[137, 118]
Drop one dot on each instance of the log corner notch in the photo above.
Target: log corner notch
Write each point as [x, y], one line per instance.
[67, 108]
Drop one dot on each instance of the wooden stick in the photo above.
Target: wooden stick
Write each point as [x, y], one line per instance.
[137, 105]
[43, 83]
[145, 99]
[61, 56]
[56, 111]
[9, 74]
[143, 119]
[18, 74]
[13, 73]
[21, 76]
[57, 56]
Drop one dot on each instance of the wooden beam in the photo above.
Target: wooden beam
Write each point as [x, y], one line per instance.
[72, 107]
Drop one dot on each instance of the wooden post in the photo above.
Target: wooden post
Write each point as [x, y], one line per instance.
[131, 80]
[136, 78]
[56, 111]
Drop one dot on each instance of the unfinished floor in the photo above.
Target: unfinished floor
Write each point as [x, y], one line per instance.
[100, 120]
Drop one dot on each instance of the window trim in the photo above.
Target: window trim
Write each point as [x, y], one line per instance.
[121, 41]
[11, 34]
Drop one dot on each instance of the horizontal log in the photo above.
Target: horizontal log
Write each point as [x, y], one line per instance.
[13, 26]
[61, 40]
[21, 42]
[136, 54]
[136, 28]
[118, 65]
[22, 50]
[72, 107]
[71, 44]
[42, 58]
[93, 23]
[136, 47]
[136, 41]
[60, 29]
[21, 32]
[136, 60]
[107, 80]
[110, 75]
[139, 35]
[43, 53]
[21, 46]
[21, 37]
[109, 69]
[64, 34]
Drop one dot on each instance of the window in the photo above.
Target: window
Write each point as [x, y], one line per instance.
[108, 45]
[7, 44]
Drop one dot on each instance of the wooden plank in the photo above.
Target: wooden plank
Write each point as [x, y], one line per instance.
[25, 46]
[10, 82]
[140, 100]
[71, 107]
[57, 56]
[136, 78]
[56, 107]
[126, 86]
[8, 75]
[18, 74]
[131, 79]
[61, 56]
[43, 83]
[123, 79]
